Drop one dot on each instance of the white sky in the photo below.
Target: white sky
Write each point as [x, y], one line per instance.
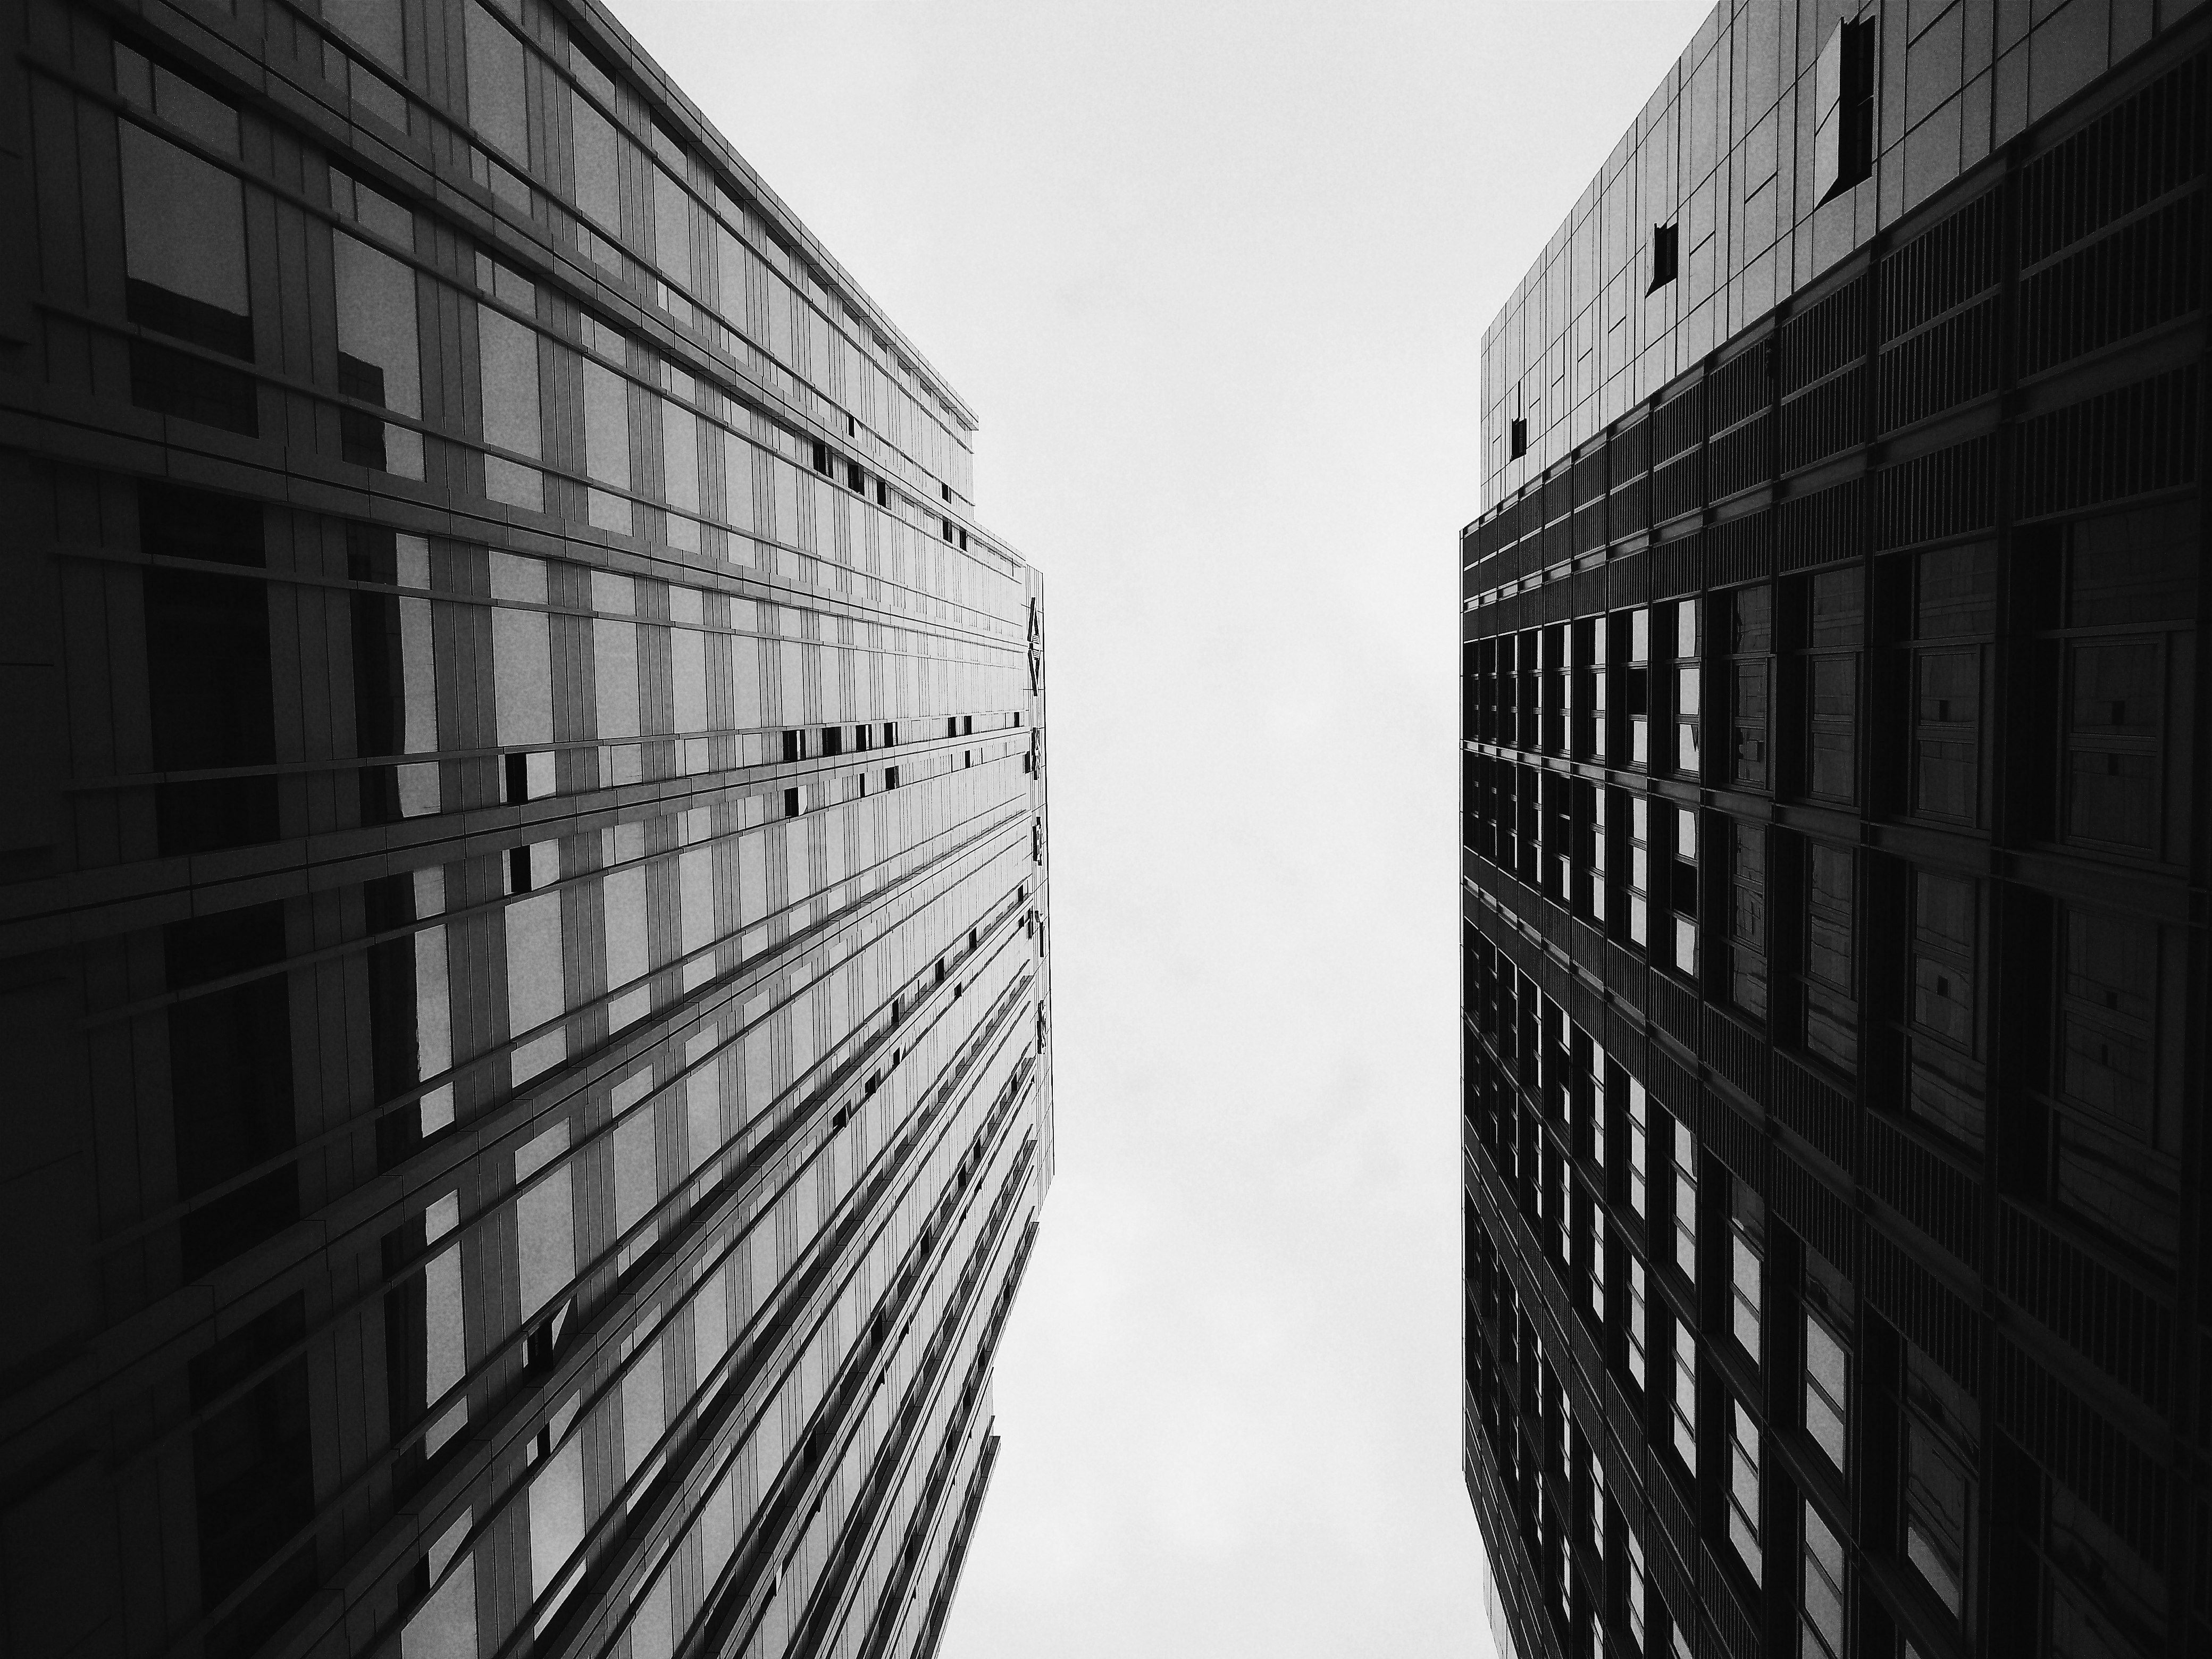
[1215, 278]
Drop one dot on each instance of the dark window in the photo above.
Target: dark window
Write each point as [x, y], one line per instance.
[171, 382]
[854, 478]
[360, 435]
[1665, 261]
[395, 1062]
[1956, 604]
[1843, 138]
[187, 318]
[2114, 1143]
[230, 1080]
[1831, 1004]
[1517, 439]
[1835, 629]
[882, 494]
[1750, 646]
[2103, 679]
[1945, 1085]
[794, 746]
[1747, 917]
[833, 740]
[822, 458]
[208, 670]
[253, 1478]
[1941, 1430]
[794, 802]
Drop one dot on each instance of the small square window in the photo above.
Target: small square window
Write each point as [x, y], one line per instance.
[1666, 256]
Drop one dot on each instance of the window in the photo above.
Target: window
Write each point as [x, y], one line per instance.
[184, 234]
[1826, 1389]
[1688, 684]
[1746, 1265]
[599, 189]
[380, 356]
[1597, 1260]
[1941, 1431]
[1636, 1315]
[1683, 896]
[1639, 869]
[1747, 917]
[2114, 1139]
[1635, 639]
[1682, 1406]
[1597, 834]
[606, 445]
[1666, 259]
[545, 1220]
[183, 219]
[1590, 674]
[1831, 1004]
[1517, 439]
[445, 1348]
[507, 360]
[1638, 1199]
[1843, 138]
[1686, 1201]
[208, 669]
[498, 113]
[1944, 1088]
[1743, 1506]
[1820, 1590]
[1835, 631]
[2128, 583]
[1955, 604]
[1600, 1123]
[1751, 646]
[1633, 1591]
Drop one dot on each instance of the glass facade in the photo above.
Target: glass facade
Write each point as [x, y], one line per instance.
[526, 989]
[1856, 846]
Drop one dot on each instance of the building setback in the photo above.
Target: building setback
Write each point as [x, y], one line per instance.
[1834, 900]
[523, 978]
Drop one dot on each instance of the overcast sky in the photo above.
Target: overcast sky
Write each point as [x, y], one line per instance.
[1215, 278]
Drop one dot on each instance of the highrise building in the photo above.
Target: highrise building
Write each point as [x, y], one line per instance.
[523, 990]
[1834, 889]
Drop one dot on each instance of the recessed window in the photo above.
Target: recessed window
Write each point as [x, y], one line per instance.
[948, 529]
[1843, 139]
[833, 739]
[1519, 440]
[794, 802]
[1666, 255]
[856, 480]
[822, 458]
[882, 494]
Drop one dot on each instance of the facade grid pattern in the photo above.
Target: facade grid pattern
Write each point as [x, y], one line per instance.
[524, 972]
[1835, 944]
